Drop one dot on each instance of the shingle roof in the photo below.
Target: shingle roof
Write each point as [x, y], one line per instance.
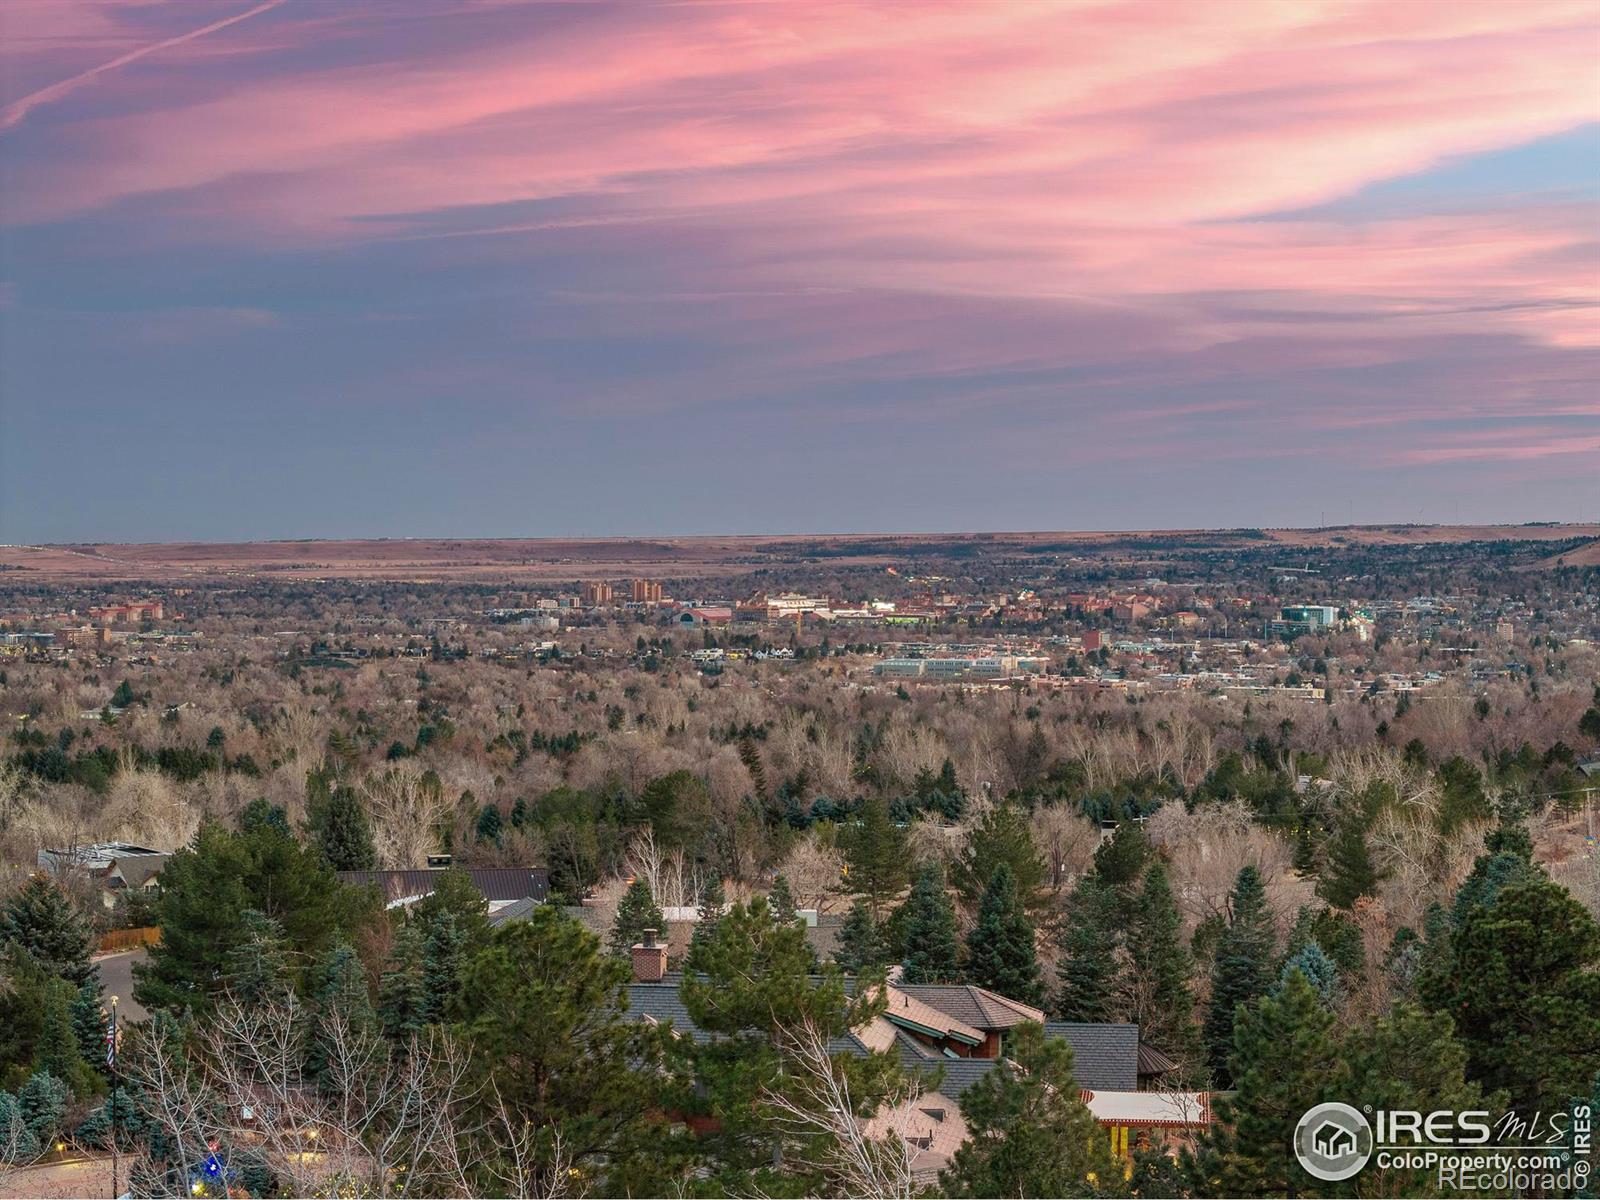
[974, 1006]
[959, 1073]
[1105, 1057]
[905, 1009]
[659, 1002]
[137, 869]
[515, 910]
[823, 937]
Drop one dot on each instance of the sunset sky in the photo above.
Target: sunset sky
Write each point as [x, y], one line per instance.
[481, 267]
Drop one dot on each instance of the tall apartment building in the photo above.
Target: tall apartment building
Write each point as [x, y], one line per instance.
[646, 591]
[596, 595]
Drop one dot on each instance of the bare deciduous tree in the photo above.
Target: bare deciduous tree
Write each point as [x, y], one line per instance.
[408, 811]
[378, 1120]
[813, 872]
[818, 1106]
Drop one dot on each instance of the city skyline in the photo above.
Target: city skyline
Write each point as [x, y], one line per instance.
[492, 269]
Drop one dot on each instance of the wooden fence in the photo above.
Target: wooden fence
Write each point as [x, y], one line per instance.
[129, 939]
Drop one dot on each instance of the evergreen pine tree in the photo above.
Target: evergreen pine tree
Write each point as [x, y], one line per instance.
[1407, 1060]
[1461, 795]
[948, 798]
[339, 986]
[1335, 933]
[752, 985]
[1031, 1133]
[1319, 972]
[636, 913]
[929, 931]
[1284, 1060]
[1589, 723]
[42, 1103]
[339, 996]
[489, 825]
[1000, 948]
[546, 1013]
[206, 889]
[875, 853]
[57, 1054]
[89, 1023]
[1002, 835]
[712, 903]
[1349, 873]
[1161, 999]
[444, 958]
[1305, 850]
[256, 969]
[340, 828]
[1507, 858]
[1120, 858]
[119, 1111]
[1242, 968]
[402, 996]
[1088, 973]
[261, 813]
[19, 1143]
[455, 894]
[860, 947]
[39, 918]
[781, 900]
[1523, 987]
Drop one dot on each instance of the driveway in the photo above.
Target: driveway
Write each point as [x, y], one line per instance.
[116, 977]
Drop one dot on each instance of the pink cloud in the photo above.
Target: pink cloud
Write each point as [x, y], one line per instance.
[1096, 169]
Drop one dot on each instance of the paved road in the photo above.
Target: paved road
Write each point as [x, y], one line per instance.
[116, 976]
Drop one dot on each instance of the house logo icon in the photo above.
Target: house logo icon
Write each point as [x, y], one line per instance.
[1333, 1141]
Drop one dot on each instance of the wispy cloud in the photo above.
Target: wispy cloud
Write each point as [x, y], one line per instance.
[1080, 217]
[13, 113]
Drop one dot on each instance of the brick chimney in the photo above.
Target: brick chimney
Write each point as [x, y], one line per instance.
[649, 959]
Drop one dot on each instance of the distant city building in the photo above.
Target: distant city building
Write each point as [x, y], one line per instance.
[715, 615]
[596, 595]
[82, 637]
[994, 666]
[785, 607]
[1298, 620]
[646, 591]
[130, 614]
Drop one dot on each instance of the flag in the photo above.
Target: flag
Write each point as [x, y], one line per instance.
[111, 1040]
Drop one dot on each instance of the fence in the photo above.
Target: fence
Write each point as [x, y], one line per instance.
[129, 939]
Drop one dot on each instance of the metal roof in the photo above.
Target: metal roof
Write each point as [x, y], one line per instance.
[496, 883]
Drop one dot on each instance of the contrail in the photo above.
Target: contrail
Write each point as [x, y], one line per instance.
[14, 112]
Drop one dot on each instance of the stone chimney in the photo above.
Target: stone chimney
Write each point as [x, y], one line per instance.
[649, 959]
